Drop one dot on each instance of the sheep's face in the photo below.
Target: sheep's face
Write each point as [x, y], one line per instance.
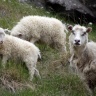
[2, 35]
[18, 34]
[79, 35]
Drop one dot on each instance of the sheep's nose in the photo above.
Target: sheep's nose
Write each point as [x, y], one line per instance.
[77, 41]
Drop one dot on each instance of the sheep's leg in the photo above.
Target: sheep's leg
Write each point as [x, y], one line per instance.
[63, 47]
[31, 65]
[33, 40]
[37, 73]
[31, 69]
[59, 46]
[4, 61]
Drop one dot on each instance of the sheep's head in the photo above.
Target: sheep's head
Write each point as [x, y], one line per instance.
[16, 34]
[19, 34]
[2, 35]
[79, 34]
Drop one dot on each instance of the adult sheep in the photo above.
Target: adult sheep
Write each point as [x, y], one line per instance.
[44, 29]
[15, 48]
[83, 55]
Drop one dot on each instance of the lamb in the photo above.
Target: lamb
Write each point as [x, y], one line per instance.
[83, 55]
[47, 30]
[15, 48]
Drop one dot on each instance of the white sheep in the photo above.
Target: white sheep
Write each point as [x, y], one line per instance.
[83, 55]
[44, 29]
[15, 48]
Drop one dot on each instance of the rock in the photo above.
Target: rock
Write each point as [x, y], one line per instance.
[75, 10]
[22, 1]
[91, 4]
[80, 11]
[38, 3]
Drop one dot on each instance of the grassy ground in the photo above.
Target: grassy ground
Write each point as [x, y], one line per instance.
[56, 79]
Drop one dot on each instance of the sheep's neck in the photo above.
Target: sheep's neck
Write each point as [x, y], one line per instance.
[81, 53]
[79, 50]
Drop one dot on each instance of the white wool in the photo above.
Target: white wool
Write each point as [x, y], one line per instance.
[15, 48]
[37, 28]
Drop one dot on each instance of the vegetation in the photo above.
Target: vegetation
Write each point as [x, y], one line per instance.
[56, 79]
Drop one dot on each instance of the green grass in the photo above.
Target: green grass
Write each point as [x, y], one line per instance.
[55, 78]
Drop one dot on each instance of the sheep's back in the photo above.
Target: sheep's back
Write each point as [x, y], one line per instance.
[18, 47]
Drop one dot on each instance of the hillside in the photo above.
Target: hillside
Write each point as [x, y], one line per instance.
[56, 80]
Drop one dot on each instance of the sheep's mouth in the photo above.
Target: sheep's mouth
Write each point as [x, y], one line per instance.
[77, 44]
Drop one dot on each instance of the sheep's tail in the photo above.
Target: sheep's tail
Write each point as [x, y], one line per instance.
[39, 56]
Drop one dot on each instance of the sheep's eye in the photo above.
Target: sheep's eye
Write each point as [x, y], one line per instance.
[83, 34]
[73, 32]
[20, 35]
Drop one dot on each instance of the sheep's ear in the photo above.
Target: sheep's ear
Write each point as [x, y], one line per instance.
[89, 29]
[70, 27]
[7, 31]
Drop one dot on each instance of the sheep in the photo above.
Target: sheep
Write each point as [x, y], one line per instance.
[47, 30]
[15, 48]
[83, 55]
